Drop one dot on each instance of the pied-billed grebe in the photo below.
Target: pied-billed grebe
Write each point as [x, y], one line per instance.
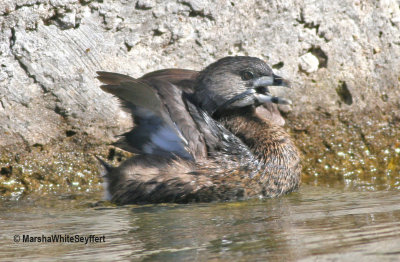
[199, 137]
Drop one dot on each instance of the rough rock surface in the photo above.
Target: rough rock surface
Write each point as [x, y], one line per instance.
[50, 103]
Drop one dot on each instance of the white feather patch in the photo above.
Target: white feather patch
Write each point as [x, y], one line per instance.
[167, 140]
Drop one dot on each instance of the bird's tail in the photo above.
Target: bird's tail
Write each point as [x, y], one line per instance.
[107, 168]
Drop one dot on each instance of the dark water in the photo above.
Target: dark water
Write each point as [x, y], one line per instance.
[314, 224]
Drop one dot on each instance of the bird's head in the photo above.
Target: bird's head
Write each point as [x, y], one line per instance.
[237, 82]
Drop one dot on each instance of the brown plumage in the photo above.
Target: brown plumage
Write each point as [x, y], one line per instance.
[203, 136]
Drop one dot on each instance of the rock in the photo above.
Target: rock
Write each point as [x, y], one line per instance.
[308, 63]
[145, 4]
[68, 20]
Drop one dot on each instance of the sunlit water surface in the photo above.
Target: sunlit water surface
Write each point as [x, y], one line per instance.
[314, 224]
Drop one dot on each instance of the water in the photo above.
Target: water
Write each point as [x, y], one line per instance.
[315, 224]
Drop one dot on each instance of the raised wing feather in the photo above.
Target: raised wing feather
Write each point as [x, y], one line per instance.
[174, 101]
[162, 124]
[138, 94]
[182, 78]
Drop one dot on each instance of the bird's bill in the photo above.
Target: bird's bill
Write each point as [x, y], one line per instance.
[273, 80]
[269, 90]
[261, 99]
[280, 81]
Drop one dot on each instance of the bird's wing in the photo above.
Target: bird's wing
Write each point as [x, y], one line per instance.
[131, 90]
[163, 126]
[174, 101]
[221, 143]
[173, 75]
[182, 78]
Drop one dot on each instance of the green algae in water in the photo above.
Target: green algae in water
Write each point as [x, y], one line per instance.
[339, 152]
[46, 170]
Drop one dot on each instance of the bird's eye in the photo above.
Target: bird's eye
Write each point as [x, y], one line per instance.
[247, 75]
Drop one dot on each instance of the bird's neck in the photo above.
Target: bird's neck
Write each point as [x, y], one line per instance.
[271, 145]
[264, 138]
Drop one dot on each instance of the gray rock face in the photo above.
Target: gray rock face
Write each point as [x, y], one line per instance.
[50, 50]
